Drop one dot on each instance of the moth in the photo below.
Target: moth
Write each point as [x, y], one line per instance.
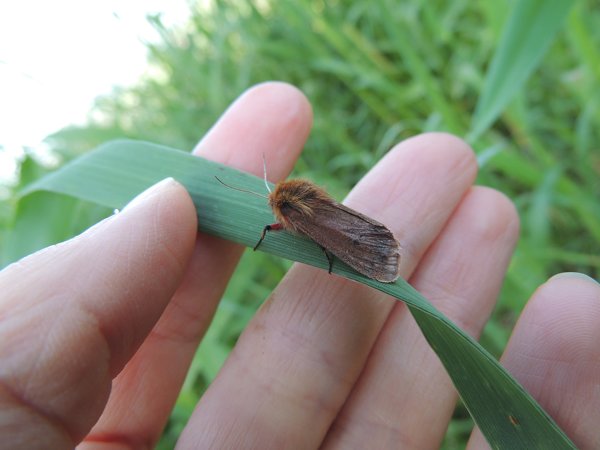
[364, 244]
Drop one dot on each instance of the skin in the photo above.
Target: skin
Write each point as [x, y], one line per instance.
[97, 333]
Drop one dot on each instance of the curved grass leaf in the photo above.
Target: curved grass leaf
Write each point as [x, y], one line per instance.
[115, 172]
[529, 32]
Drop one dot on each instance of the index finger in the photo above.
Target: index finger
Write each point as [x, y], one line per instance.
[273, 119]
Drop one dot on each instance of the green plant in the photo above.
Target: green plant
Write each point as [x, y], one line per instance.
[376, 73]
[505, 413]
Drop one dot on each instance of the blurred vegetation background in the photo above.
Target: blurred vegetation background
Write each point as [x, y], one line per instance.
[376, 73]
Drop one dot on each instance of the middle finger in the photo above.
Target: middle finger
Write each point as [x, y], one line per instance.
[297, 361]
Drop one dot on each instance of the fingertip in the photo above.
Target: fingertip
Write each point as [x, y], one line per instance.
[180, 220]
[573, 276]
[569, 302]
[561, 319]
[285, 97]
[441, 137]
[568, 291]
[154, 190]
[166, 211]
[180, 206]
[271, 119]
[491, 214]
[447, 146]
[443, 158]
[553, 352]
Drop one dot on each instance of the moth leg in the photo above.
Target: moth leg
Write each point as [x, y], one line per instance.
[329, 257]
[272, 227]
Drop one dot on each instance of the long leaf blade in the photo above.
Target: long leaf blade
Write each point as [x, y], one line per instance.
[527, 35]
[115, 172]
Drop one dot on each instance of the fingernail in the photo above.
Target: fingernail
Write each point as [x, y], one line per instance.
[572, 275]
[150, 192]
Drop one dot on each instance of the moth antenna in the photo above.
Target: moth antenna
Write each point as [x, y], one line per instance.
[240, 189]
[265, 173]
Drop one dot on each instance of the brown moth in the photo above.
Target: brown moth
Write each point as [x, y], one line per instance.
[363, 243]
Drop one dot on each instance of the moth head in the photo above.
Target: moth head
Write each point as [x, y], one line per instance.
[294, 197]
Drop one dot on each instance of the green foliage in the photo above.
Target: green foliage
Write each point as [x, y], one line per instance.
[375, 73]
[526, 36]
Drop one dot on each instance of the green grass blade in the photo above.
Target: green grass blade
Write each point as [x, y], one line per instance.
[527, 35]
[115, 172]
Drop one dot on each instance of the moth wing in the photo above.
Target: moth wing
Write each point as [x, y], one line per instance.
[361, 242]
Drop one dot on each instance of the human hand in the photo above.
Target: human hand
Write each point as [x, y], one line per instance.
[97, 333]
